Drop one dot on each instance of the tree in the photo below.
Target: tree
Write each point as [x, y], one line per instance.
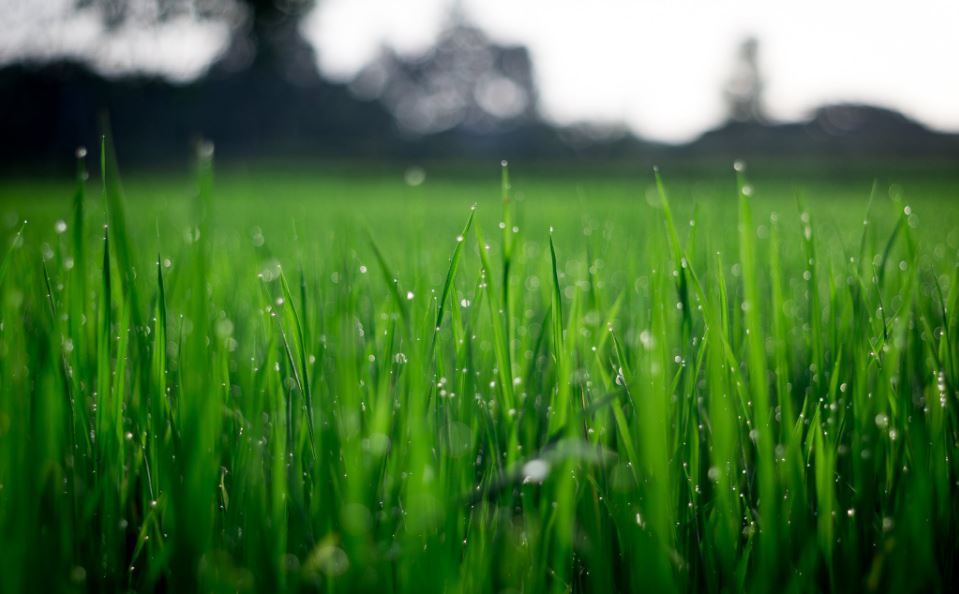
[464, 81]
[266, 34]
[743, 92]
[269, 40]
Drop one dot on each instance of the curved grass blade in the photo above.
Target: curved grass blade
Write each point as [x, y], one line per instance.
[450, 276]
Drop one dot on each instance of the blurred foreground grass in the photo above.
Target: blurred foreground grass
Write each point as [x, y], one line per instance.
[338, 381]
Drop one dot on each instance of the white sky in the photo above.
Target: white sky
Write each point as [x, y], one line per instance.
[657, 65]
[181, 49]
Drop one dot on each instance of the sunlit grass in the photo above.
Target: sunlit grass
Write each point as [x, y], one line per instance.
[373, 387]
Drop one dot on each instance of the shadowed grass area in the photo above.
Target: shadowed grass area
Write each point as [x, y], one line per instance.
[288, 381]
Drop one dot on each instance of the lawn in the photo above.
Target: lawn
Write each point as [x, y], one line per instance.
[324, 378]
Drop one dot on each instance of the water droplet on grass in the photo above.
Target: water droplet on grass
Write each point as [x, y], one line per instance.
[535, 471]
[414, 176]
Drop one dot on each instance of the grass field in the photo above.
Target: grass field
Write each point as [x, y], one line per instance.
[331, 380]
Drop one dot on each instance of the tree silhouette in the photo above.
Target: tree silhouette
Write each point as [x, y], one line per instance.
[744, 89]
[465, 80]
[265, 37]
[269, 40]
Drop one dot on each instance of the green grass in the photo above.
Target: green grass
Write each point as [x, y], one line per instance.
[296, 381]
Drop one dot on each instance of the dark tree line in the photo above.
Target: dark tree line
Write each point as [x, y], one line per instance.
[467, 97]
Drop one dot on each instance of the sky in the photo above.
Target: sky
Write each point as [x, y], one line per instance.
[181, 49]
[657, 66]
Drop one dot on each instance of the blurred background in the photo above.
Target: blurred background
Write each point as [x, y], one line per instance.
[442, 80]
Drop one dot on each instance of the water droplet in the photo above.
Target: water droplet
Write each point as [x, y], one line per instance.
[620, 380]
[646, 339]
[535, 471]
[414, 176]
[206, 149]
